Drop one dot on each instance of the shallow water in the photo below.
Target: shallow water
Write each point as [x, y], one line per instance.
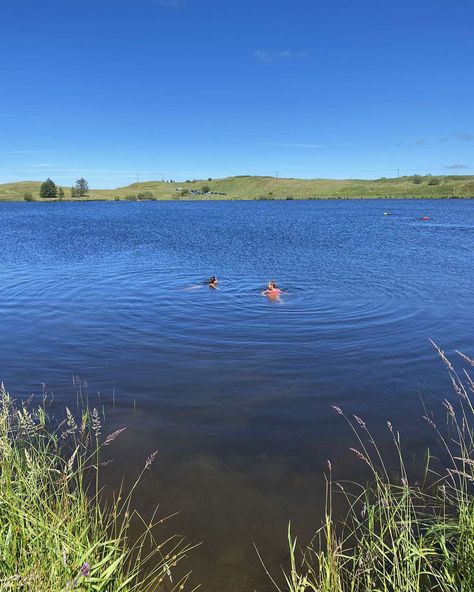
[235, 390]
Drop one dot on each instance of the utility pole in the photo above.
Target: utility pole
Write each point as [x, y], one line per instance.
[398, 173]
[162, 177]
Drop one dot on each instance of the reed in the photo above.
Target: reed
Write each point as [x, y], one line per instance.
[57, 530]
[399, 535]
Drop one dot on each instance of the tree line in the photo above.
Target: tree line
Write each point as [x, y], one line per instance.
[49, 189]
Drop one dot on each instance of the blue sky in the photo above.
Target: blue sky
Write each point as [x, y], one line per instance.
[112, 89]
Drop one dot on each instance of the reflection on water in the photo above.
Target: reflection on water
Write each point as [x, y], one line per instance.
[233, 389]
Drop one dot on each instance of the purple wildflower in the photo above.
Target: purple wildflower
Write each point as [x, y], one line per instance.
[85, 570]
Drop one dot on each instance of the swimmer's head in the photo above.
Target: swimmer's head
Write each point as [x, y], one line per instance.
[272, 285]
[212, 280]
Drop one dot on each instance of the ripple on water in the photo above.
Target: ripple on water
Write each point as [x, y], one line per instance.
[99, 290]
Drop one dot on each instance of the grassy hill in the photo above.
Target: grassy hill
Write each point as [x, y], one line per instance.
[253, 187]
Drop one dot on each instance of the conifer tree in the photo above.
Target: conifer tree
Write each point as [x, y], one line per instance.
[81, 187]
[48, 190]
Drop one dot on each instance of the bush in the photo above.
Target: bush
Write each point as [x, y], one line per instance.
[185, 192]
[145, 195]
[417, 179]
[210, 179]
[131, 197]
[205, 189]
[117, 198]
[28, 196]
[434, 181]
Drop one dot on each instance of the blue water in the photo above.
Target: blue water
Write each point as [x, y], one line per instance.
[236, 390]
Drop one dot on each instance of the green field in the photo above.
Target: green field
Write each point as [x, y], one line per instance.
[254, 187]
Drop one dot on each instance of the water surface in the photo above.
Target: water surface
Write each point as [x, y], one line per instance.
[234, 390]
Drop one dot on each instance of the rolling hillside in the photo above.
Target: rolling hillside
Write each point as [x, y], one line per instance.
[253, 187]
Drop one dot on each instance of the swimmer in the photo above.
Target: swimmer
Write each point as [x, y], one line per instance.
[212, 282]
[272, 291]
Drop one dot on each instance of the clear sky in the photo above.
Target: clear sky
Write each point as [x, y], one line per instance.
[112, 89]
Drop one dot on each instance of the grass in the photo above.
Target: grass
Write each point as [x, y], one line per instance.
[265, 188]
[399, 535]
[57, 531]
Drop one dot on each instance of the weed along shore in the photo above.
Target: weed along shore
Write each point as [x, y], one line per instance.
[399, 532]
[248, 187]
[57, 531]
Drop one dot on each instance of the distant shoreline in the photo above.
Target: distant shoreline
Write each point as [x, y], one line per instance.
[248, 188]
[208, 200]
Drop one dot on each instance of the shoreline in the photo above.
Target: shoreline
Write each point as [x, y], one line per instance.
[209, 200]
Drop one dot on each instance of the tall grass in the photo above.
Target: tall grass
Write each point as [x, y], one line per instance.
[399, 536]
[57, 531]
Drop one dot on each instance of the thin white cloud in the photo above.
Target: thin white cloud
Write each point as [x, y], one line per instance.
[459, 136]
[57, 170]
[464, 136]
[267, 56]
[17, 152]
[456, 165]
[295, 145]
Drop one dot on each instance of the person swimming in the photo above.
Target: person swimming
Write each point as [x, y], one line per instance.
[212, 282]
[272, 291]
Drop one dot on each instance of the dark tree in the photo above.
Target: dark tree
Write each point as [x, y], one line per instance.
[417, 179]
[82, 188]
[60, 193]
[434, 181]
[28, 196]
[48, 190]
[205, 189]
